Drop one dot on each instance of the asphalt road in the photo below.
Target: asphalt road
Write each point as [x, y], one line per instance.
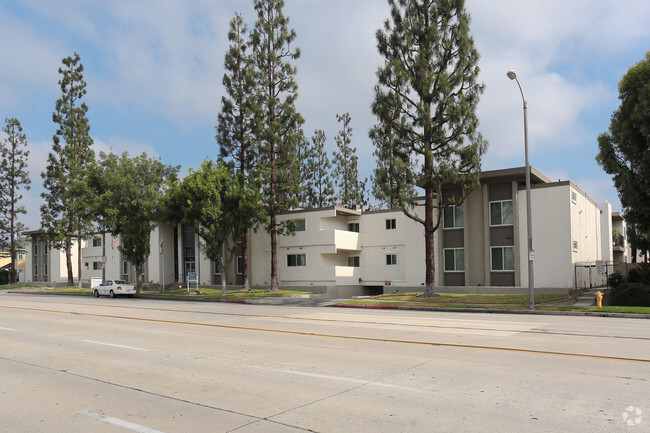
[78, 364]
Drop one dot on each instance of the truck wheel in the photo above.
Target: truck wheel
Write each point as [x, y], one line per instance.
[112, 294]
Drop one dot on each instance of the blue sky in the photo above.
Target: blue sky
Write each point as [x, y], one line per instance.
[154, 70]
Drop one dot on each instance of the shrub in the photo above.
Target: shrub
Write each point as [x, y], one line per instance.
[640, 274]
[615, 280]
[630, 295]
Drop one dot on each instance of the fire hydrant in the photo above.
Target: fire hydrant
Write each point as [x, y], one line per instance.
[599, 299]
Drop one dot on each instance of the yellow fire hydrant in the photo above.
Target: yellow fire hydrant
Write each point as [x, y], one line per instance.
[599, 299]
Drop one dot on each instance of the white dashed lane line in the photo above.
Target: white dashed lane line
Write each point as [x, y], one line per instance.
[115, 345]
[119, 422]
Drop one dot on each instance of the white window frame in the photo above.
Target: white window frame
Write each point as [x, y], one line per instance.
[353, 227]
[501, 206]
[35, 248]
[125, 267]
[239, 263]
[392, 262]
[354, 259]
[298, 263]
[503, 258]
[575, 245]
[216, 269]
[453, 219]
[455, 265]
[35, 269]
[97, 242]
[97, 266]
[299, 227]
[391, 224]
[45, 269]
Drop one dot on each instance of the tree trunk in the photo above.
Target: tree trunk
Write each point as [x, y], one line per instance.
[138, 277]
[68, 260]
[224, 288]
[429, 251]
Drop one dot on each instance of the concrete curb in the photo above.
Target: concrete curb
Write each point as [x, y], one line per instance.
[493, 311]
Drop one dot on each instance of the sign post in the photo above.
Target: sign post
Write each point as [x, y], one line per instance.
[192, 278]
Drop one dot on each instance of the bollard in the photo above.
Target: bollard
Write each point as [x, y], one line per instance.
[599, 299]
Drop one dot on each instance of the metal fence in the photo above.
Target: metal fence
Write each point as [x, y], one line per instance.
[594, 274]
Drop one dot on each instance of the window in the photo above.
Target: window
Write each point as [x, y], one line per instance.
[240, 265]
[454, 259]
[97, 266]
[45, 248]
[125, 268]
[574, 197]
[453, 217]
[501, 213]
[391, 224]
[353, 261]
[503, 258]
[296, 260]
[216, 269]
[35, 269]
[300, 225]
[19, 255]
[45, 269]
[35, 249]
[575, 245]
[391, 259]
[353, 227]
[97, 242]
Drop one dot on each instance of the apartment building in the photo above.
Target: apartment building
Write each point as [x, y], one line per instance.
[481, 245]
[44, 263]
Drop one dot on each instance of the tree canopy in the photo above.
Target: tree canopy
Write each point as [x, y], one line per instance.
[625, 152]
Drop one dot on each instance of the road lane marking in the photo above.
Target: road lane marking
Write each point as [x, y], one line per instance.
[119, 422]
[115, 345]
[343, 337]
[344, 379]
[6, 329]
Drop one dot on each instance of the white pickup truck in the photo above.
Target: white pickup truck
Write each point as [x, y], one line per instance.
[114, 288]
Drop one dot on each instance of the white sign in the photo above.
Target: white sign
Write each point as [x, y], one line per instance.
[531, 255]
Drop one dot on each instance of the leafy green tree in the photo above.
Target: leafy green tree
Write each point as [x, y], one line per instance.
[65, 215]
[131, 194]
[625, 153]
[220, 207]
[426, 97]
[235, 121]
[13, 178]
[277, 121]
[345, 171]
[319, 188]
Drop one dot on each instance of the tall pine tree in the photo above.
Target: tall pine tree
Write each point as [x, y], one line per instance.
[319, 188]
[346, 172]
[13, 178]
[235, 121]
[426, 95]
[65, 215]
[278, 122]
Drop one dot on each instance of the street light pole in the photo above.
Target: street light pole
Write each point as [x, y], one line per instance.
[529, 224]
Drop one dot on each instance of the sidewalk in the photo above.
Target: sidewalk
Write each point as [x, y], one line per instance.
[588, 298]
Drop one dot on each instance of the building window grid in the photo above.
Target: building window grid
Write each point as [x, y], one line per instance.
[454, 259]
[353, 227]
[97, 242]
[453, 217]
[97, 266]
[391, 224]
[296, 260]
[391, 259]
[501, 213]
[502, 259]
[353, 261]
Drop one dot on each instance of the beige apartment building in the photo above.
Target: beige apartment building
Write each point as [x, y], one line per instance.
[481, 246]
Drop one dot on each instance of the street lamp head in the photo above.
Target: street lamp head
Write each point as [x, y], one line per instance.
[511, 74]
